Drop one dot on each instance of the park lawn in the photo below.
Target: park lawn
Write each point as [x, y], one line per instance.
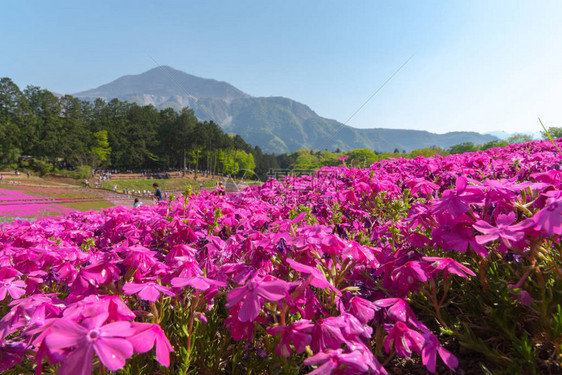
[87, 206]
[176, 184]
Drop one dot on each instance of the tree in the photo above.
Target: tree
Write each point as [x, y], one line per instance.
[361, 158]
[462, 148]
[519, 138]
[493, 144]
[100, 151]
[555, 133]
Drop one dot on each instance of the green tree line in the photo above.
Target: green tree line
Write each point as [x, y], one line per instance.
[65, 131]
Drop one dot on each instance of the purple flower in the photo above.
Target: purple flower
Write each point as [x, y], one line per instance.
[196, 282]
[254, 293]
[146, 336]
[504, 230]
[549, 219]
[317, 278]
[447, 265]
[327, 333]
[11, 353]
[297, 333]
[331, 360]
[404, 340]
[108, 341]
[362, 309]
[429, 352]
[16, 288]
[149, 291]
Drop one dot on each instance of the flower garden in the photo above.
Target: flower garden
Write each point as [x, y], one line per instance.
[448, 261]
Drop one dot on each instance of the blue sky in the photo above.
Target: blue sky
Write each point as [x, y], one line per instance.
[477, 65]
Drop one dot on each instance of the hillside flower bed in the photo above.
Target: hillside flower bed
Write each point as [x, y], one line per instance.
[17, 203]
[338, 273]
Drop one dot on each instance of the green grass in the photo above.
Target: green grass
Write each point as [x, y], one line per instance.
[178, 184]
[88, 206]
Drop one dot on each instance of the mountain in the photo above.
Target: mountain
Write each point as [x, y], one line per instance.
[276, 124]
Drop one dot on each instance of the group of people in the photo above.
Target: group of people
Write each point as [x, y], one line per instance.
[157, 196]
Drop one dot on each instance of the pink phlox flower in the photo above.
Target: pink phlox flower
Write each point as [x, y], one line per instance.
[456, 202]
[187, 268]
[362, 309]
[368, 358]
[238, 329]
[184, 251]
[353, 328]
[91, 277]
[254, 293]
[196, 282]
[7, 271]
[297, 333]
[312, 306]
[148, 291]
[549, 219]
[420, 215]
[66, 273]
[504, 229]
[404, 340]
[94, 305]
[359, 253]
[330, 361]
[447, 265]
[16, 288]
[408, 275]
[108, 341]
[431, 347]
[139, 257]
[425, 187]
[457, 236]
[240, 272]
[327, 333]
[523, 296]
[552, 177]
[332, 245]
[400, 311]
[33, 311]
[11, 353]
[33, 280]
[148, 335]
[317, 278]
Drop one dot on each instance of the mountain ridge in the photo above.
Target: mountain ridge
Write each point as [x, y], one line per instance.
[276, 124]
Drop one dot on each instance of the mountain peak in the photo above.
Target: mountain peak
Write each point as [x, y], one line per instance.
[276, 124]
[164, 84]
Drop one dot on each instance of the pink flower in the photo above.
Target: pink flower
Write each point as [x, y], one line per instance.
[317, 278]
[253, 294]
[504, 230]
[362, 309]
[327, 333]
[549, 219]
[146, 336]
[295, 333]
[196, 282]
[108, 341]
[331, 360]
[16, 288]
[447, 265]
[429, 353]
[149, 291]
[404, 340]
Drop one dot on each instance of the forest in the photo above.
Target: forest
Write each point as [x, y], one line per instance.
[45, 132]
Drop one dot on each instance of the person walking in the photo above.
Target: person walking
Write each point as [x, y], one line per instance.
[157, 192]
